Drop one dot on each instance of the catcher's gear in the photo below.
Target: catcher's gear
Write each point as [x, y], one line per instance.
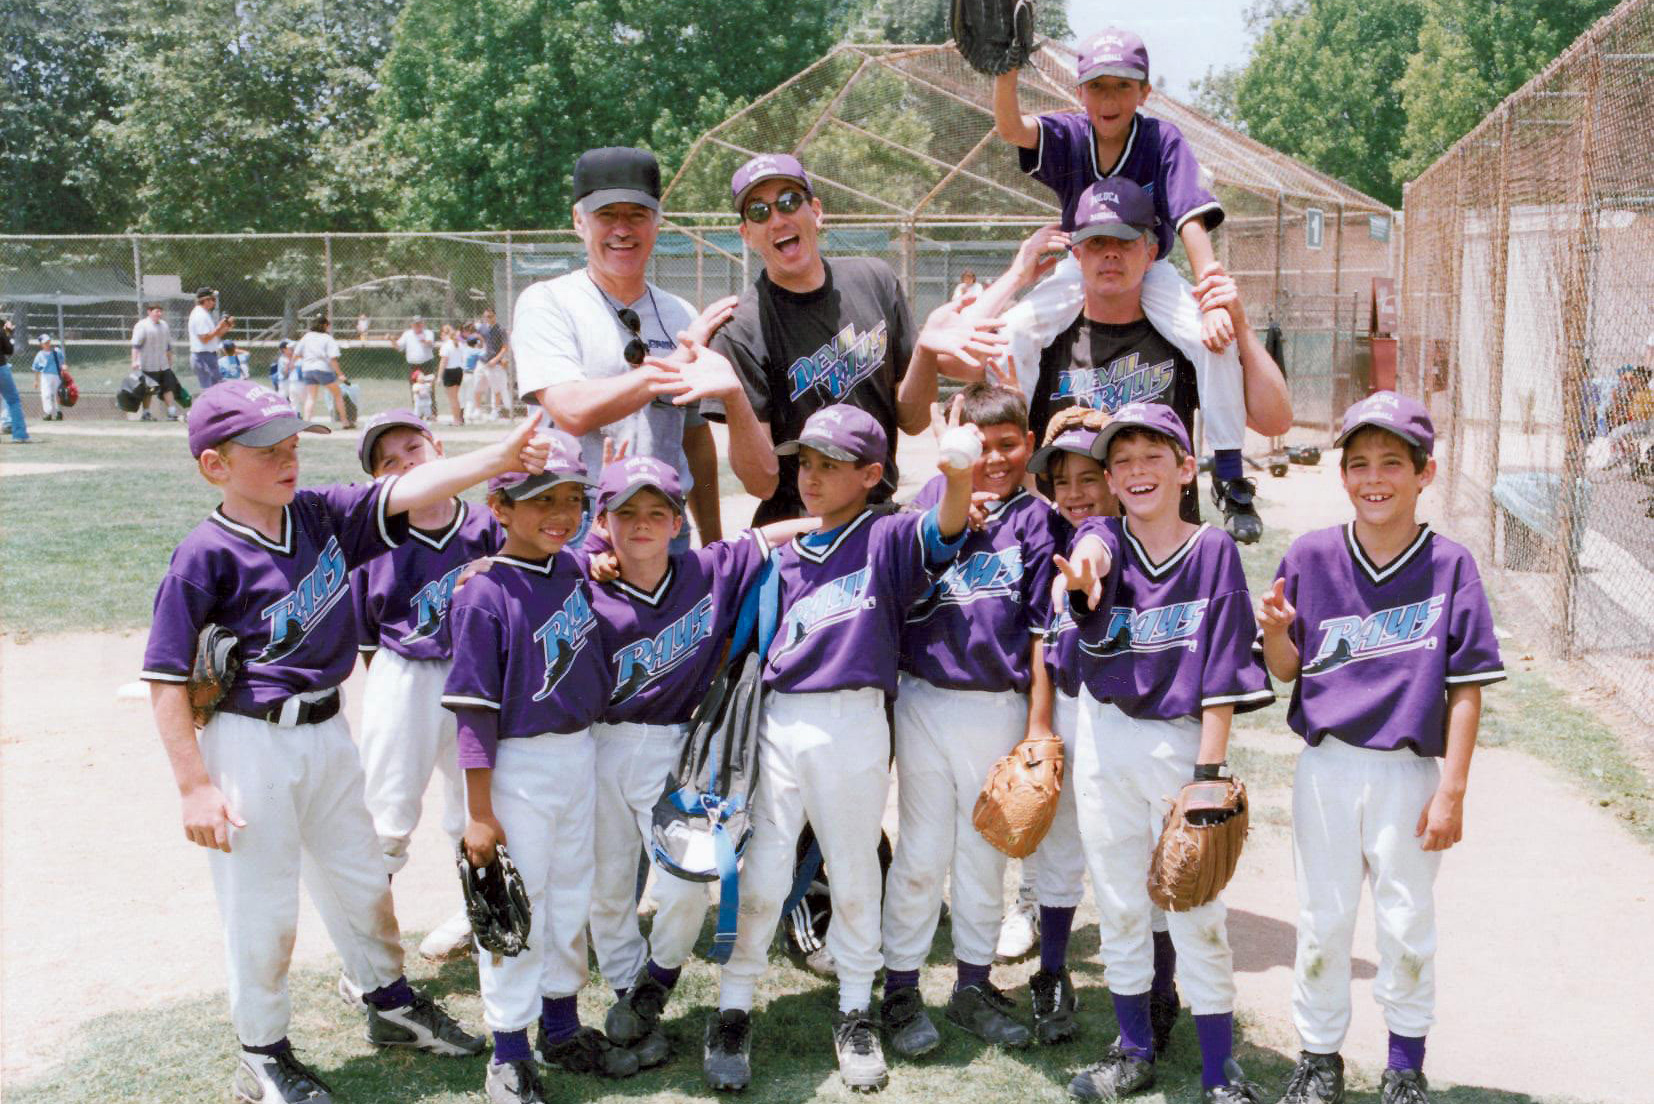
[1019, 800]
[134, 390]
[1199, 845]
[995, 36]
[497, 903]
[217, 662]
[68, 392]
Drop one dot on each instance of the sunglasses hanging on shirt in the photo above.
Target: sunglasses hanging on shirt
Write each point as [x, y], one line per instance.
[637, 348]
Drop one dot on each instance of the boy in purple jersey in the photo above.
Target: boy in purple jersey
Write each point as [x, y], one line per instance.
[824, 752]
[527, 682]
[401, 605]
[663, 624]
[1385, 630]
[1164, 664]
[966, 661]
[274, 774]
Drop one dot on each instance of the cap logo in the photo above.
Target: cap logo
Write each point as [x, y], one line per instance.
[1384, 398]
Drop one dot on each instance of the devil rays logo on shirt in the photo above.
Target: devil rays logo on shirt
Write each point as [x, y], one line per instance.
[840, 364]
[430, 606]
[1398, 629]
[1150, 630]
[976, 577]
[561, 638]
[1125, 379]
[838, 600]
[643, 662]
[304, 607]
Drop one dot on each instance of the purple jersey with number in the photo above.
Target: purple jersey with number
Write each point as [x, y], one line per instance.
[1172, 638]
[974, 628]
[287, 601]
[1156, 158]
[663, 646]
[402, 599]
[1381, 646]
[526, 648]
[844, 596]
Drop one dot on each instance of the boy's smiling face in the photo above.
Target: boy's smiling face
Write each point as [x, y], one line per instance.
[1079, 487]
[540, 524]
[1111, 102]
[1004, 460]
[643, 527]
[1145, 474]
[400, 450]
[1379, 476]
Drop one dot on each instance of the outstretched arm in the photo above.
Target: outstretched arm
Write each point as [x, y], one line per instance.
[1009, 121]
[442, 479]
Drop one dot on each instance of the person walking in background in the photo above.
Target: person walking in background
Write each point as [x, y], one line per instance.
[418, 346]
[49, 365]
[152, 355]
[319, 367]
[967, 288]
[207, 336]
[14, 422]
[362, 323]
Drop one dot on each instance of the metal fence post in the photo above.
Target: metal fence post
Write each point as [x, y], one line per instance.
[1275, 281]
[327, 263]
[137, 276]
[1497, 285]
[510, 284]
[1337, 293]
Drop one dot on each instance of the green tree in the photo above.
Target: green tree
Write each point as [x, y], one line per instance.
[1214, 95]
[930, 20]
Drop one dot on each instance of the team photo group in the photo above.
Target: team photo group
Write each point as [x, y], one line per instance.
[1040, 653]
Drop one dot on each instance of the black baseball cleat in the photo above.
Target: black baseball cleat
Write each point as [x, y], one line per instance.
[514, 1083]
[985, 1012]
[278, 1079]
[422, 1024]
[726, 1060]
[1163, 1013]
[634, 1021]
[1316, 1079]
[1118, 1074]
[860, 1057]
[588, 1051]
[1238, 1091]
[1054, 1004]
[1320, 665]
[1403, 1087]
[906, 1021]
[1240, 515]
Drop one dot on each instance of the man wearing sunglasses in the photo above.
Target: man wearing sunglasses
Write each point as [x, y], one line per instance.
[580, 339]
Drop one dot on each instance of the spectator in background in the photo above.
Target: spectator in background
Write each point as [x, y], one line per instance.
[362, 323]
[967, 288]
[319, 367]
[451, 356]
[418, 346]
[152, 355]
[14, 423]
[495, 349]
[206, 336]
[284, 373]
[48, 365]
[232, 364]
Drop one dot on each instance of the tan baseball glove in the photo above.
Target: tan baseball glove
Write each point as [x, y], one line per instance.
[1199, 845]
[1019, 799]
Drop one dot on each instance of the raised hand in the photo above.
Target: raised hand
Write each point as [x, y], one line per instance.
[524, 450]
[1087, 570]
[1041, 252]
[1275, 613]
[611, 454]
[949, 333]
[695, 372]
[960, 446]
[710, 321]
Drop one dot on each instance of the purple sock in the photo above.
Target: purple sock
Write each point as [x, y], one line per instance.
[1054, 926]
[1165, 966]
[969, 974]
[559, 1018]
[667, 978]
[511, 1046]
[280, 1046]
[1132, 1014]
[397, 994]
[1217, 1042]
[1406, 1052]
[1226, 464]
[900, 979]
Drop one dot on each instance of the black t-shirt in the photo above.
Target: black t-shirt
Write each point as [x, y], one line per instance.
[848, 341]
[1105, 365]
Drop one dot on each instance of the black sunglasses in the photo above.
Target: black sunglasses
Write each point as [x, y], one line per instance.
[787, 203]
[635, 349]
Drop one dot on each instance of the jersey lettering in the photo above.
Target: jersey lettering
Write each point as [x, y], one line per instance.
[304, 607]
[561, 638]
[643, 662]
[978, 576]
[1398, 629]
[838, 366]
[838, 600]
[1151, 630]
[1125, 379]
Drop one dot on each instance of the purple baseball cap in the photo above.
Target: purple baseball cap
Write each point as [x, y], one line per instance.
[842, 431]
[1112, 52]
[1113, 208]
[1078, 441]
[1402, 415]
[625, 478]
[1155, 417]
[379, 425]
[764, 167]
[245, 413]
[565, 464]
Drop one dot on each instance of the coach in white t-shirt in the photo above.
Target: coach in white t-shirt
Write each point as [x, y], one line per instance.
[579, 340]
[206, 336]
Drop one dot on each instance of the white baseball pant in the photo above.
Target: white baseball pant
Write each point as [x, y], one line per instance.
[1054, 303]
[822, 758]
[1059, 864]
[946, 743]
[299, 790]
[49, 382]
[542, 792]
[468, 393]
[1353, 815]
[406, 734]
[634, 764]
[1126, 774]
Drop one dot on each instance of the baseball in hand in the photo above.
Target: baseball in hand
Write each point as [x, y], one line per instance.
[961, 447]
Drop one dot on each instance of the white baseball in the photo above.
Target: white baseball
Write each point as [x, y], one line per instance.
[960, 447]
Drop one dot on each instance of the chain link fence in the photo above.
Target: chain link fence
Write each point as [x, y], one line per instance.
[1527, 321]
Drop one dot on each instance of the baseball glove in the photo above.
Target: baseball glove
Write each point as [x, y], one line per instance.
[1019, 800]
[1199, 845]
[995, 36]
[217, 662]
[497, 903]
[1075, 417]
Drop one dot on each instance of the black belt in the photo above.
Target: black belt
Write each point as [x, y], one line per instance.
[298, 710]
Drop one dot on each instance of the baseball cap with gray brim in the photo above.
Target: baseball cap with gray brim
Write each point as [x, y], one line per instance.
[1113, 208]
[616, 174]
[767, 166]
[564, 464]
[625, 478]
[1401, 415]
[1112, 52]
[843, 432]
[205, 293]
[1078, 441]
[1154, 417]
[381, 424]
[243, 413]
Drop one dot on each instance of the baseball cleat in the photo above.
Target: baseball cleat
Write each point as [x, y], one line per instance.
[514, 1083]
[905, 1020]
[637, 1013]
[1019, 930]
[860, 1058]
[726, 1055]
[1238, 1091]
[1240, 516]
[450, 938]
[985, 1012]
[1403, 1087]
[422, 1024]
[651, 1050]
[1316, 1079]
[1054, 1004]
[588, 1051]
[1118, 1074]
[1163, 1013]
[350, 992]
[278, 1079]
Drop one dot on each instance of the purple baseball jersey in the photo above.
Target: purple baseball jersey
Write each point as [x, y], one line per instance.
[288, 601]
[402, 599]
[1156, 158]
[1381, 646]
[974, 627]
[662, 646]
[844, 596]
[1173, 638]
[527, 658]
[1062, 635]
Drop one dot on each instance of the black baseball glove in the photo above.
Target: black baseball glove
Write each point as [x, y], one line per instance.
[995, 36]
[217, 662]
[497, 903]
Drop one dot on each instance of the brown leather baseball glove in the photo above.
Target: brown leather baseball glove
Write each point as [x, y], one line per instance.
[1199, 845]
[1019, 799]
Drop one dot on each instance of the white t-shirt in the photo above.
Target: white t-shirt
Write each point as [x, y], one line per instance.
[153, 340]
[315, 352]
[453, 354]
[416, 346]
[564, 330]
[202, 323]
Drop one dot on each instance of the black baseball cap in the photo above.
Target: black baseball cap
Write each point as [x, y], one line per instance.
[205, 293]
[616, 174]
